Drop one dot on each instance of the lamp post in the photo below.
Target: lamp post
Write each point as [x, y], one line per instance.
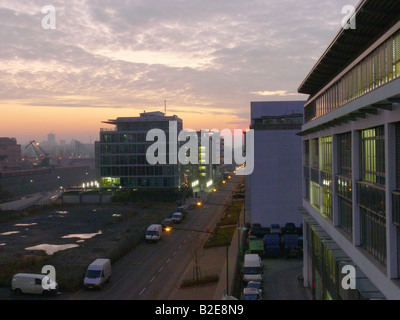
[226, 245]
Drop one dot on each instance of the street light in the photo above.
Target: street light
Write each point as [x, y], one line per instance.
[226, 246]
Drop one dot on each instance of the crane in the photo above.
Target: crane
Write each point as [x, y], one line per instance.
[43, 155]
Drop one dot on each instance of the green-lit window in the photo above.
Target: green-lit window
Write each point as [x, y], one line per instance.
[326, 154]
[314, 193]
[373, 156]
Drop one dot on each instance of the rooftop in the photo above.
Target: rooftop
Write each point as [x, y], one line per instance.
[373, 19]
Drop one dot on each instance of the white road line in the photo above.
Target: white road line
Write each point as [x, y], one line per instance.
[152, 279]
[141, 292]
[161, 269]
[174, 253]
[168, 261]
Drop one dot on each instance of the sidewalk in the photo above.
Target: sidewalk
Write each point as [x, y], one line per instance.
[212, 261]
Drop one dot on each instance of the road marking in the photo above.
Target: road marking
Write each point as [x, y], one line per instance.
[152, 279]
[174, 253]
[142, 291]
[161, 269]
[168, 261]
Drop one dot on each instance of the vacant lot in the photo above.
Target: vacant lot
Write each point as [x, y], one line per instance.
[91, 232]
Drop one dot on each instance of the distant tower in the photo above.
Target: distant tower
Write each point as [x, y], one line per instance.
[51, 138]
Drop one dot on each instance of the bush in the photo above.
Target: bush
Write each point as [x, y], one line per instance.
[201, 282]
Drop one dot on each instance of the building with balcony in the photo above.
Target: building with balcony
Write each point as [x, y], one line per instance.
[121, 153]
[272, 193]
[351, 159]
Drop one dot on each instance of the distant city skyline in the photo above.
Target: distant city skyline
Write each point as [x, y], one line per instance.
[207, 59]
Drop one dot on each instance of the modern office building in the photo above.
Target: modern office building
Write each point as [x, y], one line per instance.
[10, 154]
[206, 173]
[272, 195]
[351, 159]
[121, 153]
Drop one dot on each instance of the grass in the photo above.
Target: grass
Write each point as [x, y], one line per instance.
[219, 241]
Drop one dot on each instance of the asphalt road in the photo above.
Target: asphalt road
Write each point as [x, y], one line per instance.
[151, 271]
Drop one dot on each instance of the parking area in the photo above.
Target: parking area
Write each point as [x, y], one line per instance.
[281, 279]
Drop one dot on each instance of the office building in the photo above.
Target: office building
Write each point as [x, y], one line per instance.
[121, 153]
[10, 154]
[351, 159]
[206, 173]
[272, 195]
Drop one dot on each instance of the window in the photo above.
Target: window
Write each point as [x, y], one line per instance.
[373, 156]
[344, 154]
[326, 154]
[314, 153]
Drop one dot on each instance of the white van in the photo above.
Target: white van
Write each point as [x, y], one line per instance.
[253, 268]
[154, 233]
[30, 283]
[97, 274]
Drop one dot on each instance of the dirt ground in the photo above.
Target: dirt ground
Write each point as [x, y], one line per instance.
[106, 231]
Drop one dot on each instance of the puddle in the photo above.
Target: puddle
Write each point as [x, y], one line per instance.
[62, 212]
[52, 248]
[2, 244]
[9, 233]
[25, 224]
[83, 236]
[80, 241]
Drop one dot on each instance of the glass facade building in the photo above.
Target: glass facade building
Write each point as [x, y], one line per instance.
[351, 158]
[121, 153]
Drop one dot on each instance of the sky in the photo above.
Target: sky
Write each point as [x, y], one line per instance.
[116, 58]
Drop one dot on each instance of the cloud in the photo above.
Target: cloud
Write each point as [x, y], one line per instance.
[200, 55]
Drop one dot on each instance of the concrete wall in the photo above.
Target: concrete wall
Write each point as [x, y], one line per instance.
[275, 184]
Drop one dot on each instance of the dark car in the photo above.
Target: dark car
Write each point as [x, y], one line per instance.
[167, 223]
[256, 284]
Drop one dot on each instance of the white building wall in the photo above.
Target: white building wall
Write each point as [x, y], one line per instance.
[275, 184]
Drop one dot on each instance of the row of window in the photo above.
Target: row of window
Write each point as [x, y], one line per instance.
[370, 189]
[130, 171]
[379, 67]
[112, 137]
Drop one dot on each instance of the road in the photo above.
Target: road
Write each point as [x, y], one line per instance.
[151, 271]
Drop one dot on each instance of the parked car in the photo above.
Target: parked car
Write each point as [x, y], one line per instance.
[253, 268]
[275, 228]
[256, 284]
[97, 274]
[251, 294]
[177, 217]
[167, 223]
[154, 233]
[183, 209]
[31, 283]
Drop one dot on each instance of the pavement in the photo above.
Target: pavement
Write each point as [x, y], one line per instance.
[211, 261]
